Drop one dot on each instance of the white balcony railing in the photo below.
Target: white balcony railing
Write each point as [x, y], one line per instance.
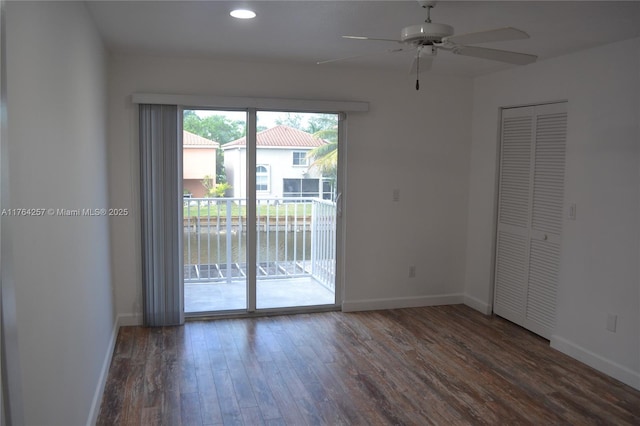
[296, 237]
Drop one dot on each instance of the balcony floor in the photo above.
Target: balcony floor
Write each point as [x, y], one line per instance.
[276, 293]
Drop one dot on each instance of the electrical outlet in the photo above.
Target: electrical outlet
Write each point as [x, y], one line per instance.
[396, 195]
[412, 271]
[612, 320]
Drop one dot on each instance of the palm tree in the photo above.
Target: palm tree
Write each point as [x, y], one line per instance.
[325, 157]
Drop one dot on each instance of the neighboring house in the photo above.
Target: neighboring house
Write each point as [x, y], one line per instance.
[198, 161]
[282, 165]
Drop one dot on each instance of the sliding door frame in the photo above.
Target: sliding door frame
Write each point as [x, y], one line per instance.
[252, 106]
[252, 250]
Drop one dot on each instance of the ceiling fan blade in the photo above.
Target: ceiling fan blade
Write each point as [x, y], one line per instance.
[399, 49]
[370, 38]
[499, 34]
[425, 65]
[495, 55]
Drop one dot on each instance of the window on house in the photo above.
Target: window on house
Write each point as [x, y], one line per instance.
[327, 190]
[300, 187]
[299, 158]
[262, 178]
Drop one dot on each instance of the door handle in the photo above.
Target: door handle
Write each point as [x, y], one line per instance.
[339, 204]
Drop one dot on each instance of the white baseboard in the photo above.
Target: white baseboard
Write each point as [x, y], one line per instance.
[478, 304]
[606, 366]
[125, 320]
[401, 302]
[104, 373]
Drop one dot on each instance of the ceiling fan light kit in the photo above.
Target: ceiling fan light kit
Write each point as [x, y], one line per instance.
[426, 38]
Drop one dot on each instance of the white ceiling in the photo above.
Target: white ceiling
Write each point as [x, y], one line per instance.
[309, 31]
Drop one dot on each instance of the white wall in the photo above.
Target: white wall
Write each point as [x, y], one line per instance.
[600, 249]
[417, 142]
[56, 86]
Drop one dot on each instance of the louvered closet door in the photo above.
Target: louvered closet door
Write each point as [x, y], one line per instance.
[530, 215]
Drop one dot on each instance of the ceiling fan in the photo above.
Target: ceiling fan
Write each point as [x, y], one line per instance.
[427, 38]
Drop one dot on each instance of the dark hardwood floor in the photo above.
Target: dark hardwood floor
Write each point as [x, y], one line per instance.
[436, 365]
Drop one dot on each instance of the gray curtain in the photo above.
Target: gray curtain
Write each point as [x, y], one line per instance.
[160, 202]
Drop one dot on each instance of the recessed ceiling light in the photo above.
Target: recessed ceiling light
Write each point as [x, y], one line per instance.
[243, 14]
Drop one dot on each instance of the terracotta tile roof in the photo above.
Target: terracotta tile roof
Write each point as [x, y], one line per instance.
[281, 136]
[189, 139]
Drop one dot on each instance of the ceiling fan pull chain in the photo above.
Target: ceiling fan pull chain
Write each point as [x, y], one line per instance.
[418, 71]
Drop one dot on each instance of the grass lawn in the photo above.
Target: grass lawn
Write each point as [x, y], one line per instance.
[220, 209]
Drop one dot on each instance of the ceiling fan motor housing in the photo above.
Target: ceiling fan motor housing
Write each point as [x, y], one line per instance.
[426, 33]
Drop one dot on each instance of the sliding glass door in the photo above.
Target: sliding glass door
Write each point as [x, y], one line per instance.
[259, 210]
[214, 212]
[296, 166]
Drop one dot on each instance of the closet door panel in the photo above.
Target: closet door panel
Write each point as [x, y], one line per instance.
[513, 214]
[542, 286]
[515, 177]
[548, 180]
[511, 276]
[546, 217]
